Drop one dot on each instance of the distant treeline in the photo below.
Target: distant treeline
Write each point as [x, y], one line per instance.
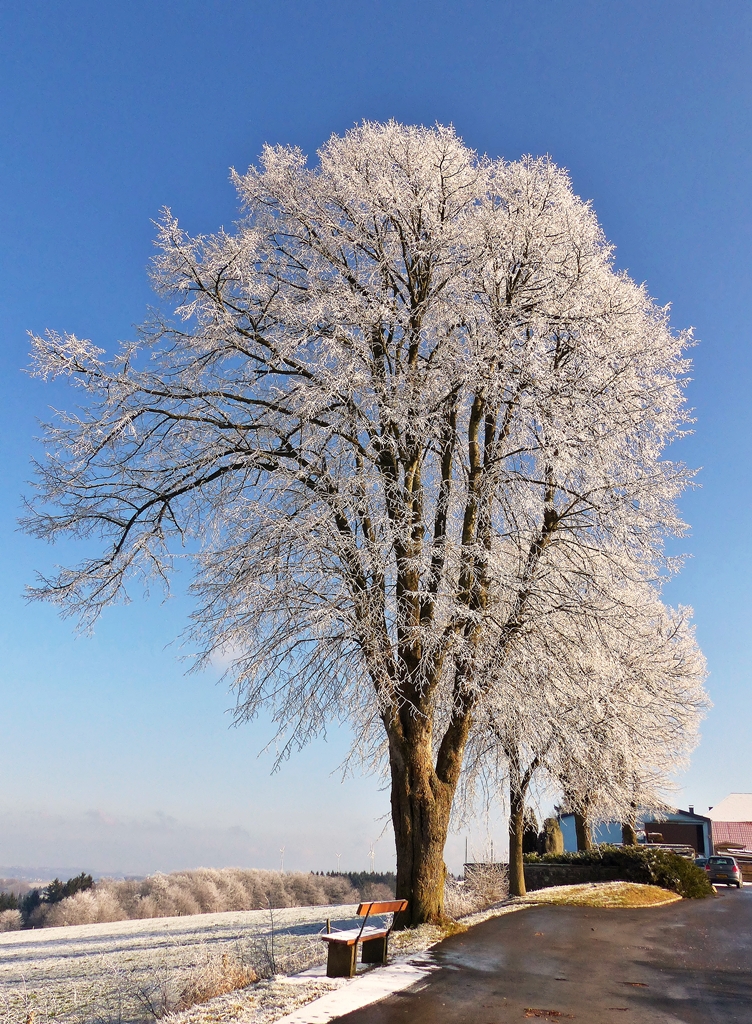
[204, 891]
[29, 903]
[363, 881]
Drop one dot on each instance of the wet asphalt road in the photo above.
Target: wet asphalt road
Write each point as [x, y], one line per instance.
[688, 962]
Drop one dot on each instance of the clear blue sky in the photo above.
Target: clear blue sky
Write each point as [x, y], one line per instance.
[110, 758]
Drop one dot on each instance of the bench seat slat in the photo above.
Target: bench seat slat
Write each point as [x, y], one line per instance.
[352, 935]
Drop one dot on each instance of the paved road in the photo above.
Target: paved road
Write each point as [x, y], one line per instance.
[688, 962]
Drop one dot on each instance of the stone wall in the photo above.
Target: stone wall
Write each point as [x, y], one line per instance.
[543, 875]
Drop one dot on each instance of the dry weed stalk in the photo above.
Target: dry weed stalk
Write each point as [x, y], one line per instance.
[484, 885]
[218, 976]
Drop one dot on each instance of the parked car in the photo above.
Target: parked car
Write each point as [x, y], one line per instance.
[724, 869]
[701, 861]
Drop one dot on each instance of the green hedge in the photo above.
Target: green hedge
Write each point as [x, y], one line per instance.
[639, 864]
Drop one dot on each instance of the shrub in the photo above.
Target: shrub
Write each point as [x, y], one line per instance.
[372, 885]
[484, 885]
[640, 864]
[92, 906]
[377, 891]
[10, 920]
[458, 900]
[217, 976]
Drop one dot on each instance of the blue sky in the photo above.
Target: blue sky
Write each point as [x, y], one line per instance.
[110, 757]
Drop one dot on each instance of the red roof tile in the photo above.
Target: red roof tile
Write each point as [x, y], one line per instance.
[733, 832]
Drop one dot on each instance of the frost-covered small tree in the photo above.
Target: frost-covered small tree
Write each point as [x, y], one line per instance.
[645, 723]
[398, 406]
[605, 707]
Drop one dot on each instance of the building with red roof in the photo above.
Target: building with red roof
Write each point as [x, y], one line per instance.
[732, 821]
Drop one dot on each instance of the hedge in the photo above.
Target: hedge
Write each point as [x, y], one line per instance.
[639, 864]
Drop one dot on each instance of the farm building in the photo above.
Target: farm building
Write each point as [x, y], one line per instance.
[682, 828]
[677, 828]
[732, 821]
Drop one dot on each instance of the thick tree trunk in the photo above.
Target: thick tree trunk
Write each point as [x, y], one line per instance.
[421, 805]
[628, 834]
[629, 827]
[516, 833]
[582, 829]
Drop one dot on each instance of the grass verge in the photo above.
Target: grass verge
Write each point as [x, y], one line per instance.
[602, 894]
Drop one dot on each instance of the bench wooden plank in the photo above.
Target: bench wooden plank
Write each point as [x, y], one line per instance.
[382, 907]
[349, 936]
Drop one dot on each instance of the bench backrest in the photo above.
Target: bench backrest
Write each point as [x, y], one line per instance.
[382, 907]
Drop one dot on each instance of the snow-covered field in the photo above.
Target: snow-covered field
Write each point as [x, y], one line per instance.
[133, 970]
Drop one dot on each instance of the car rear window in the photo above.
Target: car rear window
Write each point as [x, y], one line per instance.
[725, 861]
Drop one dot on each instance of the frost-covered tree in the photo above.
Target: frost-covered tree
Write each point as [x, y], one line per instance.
[399, 407]
[645, 722]
[605, 707]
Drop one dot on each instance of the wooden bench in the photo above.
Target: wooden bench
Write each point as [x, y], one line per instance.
[343, 946]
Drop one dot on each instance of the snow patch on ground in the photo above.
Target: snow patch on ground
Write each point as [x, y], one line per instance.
[364, 990]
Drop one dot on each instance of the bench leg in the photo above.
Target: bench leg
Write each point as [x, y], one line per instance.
[374, 950]
[340, 961]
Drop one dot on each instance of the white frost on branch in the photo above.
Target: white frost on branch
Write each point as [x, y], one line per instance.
[405, 413]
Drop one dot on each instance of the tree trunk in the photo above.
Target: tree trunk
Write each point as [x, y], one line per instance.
[629, 827]
[628, 834]
[582, 829]
[516, 833]
[421, 805]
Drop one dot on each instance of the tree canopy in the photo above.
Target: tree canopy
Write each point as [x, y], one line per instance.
[405, 420]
